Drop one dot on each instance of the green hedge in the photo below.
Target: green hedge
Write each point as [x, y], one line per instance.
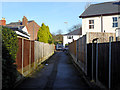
[9, 51]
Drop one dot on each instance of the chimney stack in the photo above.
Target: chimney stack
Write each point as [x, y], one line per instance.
[3, 22]
[24, 21]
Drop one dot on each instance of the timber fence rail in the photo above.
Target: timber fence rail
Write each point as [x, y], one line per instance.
[30, 54]
[99, 61]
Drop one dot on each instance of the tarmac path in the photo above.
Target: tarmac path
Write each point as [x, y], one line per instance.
[60, 73]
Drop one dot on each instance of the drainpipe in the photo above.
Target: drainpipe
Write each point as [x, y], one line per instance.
[101, 23]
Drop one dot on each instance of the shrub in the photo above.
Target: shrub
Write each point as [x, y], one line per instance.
[9, 50]
[44, 34]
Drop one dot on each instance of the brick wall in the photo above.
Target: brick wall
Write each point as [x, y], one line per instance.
[3, 22]
[33, 28]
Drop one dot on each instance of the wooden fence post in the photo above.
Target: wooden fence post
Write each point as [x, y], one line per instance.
[97, 61]
[30, 58]
[96, 39]
[22, 54]
[92, 61]
[110, 40]
[76, 50]
[34, 55]
[86, 57]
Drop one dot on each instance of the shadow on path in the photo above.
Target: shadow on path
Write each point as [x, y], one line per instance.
[60, 73]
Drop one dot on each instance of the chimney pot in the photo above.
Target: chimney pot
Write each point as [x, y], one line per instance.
[3, 18]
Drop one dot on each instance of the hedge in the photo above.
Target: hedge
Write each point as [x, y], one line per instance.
[9, 51]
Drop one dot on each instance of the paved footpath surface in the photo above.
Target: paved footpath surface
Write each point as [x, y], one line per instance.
[60, 74]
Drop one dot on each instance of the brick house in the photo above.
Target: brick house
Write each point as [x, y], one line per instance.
[20, 30]
[32, 27]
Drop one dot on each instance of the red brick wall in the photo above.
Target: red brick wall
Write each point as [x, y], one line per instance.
[24, 21]
[31, 31]
[3, 22]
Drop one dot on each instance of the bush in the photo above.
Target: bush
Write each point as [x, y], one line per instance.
[9, 50]
[10, 41]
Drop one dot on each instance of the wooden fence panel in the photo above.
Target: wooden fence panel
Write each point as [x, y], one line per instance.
[26, 53]
[115, 61]
[89, 61]
[103, 63]
[32, 52]
[94, 61]
[19, 54]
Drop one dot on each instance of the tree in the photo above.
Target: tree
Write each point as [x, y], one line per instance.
[44, 34]
[75, 27]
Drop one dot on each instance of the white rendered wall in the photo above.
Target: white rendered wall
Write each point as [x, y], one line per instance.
[85, 25]
[66, 40]
[25, 30]
[107, 24]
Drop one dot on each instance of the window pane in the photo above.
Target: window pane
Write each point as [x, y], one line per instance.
[91, 21]
[115, 24]
[69, 37]
[91, 26]
[114, 19]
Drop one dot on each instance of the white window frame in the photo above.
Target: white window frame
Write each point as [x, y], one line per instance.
[91, 24]
[114, 22]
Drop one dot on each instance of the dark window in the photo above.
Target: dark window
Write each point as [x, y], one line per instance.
[91, 21]
[115, 22]
[91, 24]
[69, 37]
[114, 19]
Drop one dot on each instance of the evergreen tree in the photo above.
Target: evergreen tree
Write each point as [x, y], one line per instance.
[44, 34]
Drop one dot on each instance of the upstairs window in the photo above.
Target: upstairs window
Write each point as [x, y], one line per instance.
[91, 24]
[70, 37]
[115, 22]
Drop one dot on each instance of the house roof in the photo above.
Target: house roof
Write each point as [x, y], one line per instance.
[107, 8]
[75, 32]
[17, 23]
[29, 26]
[18, 29]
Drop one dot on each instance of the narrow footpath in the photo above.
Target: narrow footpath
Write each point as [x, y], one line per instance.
[60, 73]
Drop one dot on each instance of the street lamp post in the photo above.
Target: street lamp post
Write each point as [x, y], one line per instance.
[66, 29]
